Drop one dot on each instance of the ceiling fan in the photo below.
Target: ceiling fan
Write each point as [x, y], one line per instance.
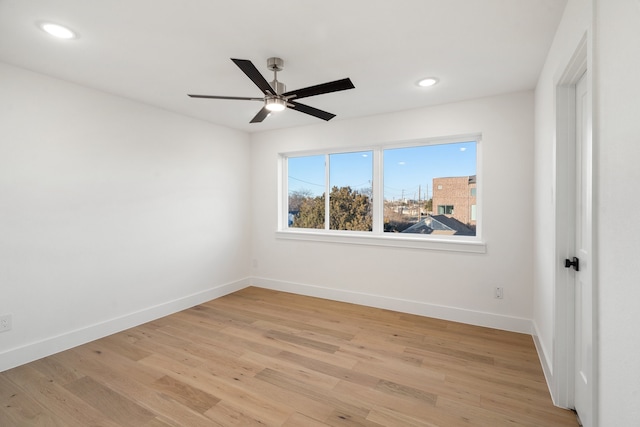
[275, 98]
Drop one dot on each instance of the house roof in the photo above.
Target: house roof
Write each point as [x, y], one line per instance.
[440, 224]
[157, 52]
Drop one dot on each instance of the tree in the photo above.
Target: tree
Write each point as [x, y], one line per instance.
[311, 213]
[348, 210]
[428, 205]
[296, 198]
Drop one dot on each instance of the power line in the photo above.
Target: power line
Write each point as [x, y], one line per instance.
[306, 182]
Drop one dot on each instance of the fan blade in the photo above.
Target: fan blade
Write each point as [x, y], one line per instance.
[262, 114]
[241, 98]
[252, 72]
[311, 111]
[336, 86]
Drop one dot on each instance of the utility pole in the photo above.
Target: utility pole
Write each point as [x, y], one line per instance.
[426, 199]
[419, 206]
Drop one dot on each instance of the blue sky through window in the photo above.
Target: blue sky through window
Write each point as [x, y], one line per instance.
[412, 169]
[353, 170]
[406, 170]
[306, 174]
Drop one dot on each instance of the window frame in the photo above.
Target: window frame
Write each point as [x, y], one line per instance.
[377, 237]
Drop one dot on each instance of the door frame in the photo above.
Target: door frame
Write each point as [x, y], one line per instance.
[565, 211]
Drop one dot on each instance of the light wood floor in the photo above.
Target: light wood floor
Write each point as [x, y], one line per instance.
[259, 357]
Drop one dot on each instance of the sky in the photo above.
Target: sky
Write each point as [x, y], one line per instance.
[406, 170]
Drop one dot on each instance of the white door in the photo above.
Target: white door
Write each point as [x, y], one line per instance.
[583, 373]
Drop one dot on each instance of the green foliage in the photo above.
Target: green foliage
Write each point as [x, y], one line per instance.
[349, 210]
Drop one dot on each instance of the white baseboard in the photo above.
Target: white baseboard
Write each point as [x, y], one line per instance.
[547, 367]
[478, 318]
[560, 399]
[20, 355]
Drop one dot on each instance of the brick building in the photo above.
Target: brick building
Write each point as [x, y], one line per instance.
[456, 198]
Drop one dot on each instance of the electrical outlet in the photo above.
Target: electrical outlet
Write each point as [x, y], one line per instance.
[5, 323]
[499, 293]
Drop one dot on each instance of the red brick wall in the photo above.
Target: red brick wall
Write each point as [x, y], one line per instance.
[455, 191]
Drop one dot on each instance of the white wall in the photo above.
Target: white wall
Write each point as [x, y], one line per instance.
[617, 175]
[111, 213]
[573, 28]
[436, 283]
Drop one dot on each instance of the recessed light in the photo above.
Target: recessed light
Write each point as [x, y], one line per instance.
[429, 81]
[57, 30]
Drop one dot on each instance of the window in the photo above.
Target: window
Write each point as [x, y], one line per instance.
[422, 188]
[445, 209]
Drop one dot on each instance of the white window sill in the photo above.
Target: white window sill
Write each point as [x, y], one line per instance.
[449, 243]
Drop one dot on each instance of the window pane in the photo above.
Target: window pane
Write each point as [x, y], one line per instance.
[430, 189]
[350, 200]
[306, 183]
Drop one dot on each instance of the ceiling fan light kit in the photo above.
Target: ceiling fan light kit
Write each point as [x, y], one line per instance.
[275, 104]
[276, 98]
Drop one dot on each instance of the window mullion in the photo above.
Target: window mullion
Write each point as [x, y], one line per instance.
[377, 193]
[283, 197]
[327, 190]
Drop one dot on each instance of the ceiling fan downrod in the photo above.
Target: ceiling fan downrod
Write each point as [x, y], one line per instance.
[275, 65]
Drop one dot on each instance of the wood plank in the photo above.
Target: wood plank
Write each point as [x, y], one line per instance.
[138, 388]
[391, 417]
[61, 403]
[297, 419]
[112, 404]
[305, 342]
[245, 401]
[339, 372]
[20, 409]
[56, 371]
[186, 394]
[341, 418]
[402, 390]
[381, 402]
[286, 382]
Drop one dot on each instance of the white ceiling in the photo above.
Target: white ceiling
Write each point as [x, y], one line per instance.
[157, 51]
